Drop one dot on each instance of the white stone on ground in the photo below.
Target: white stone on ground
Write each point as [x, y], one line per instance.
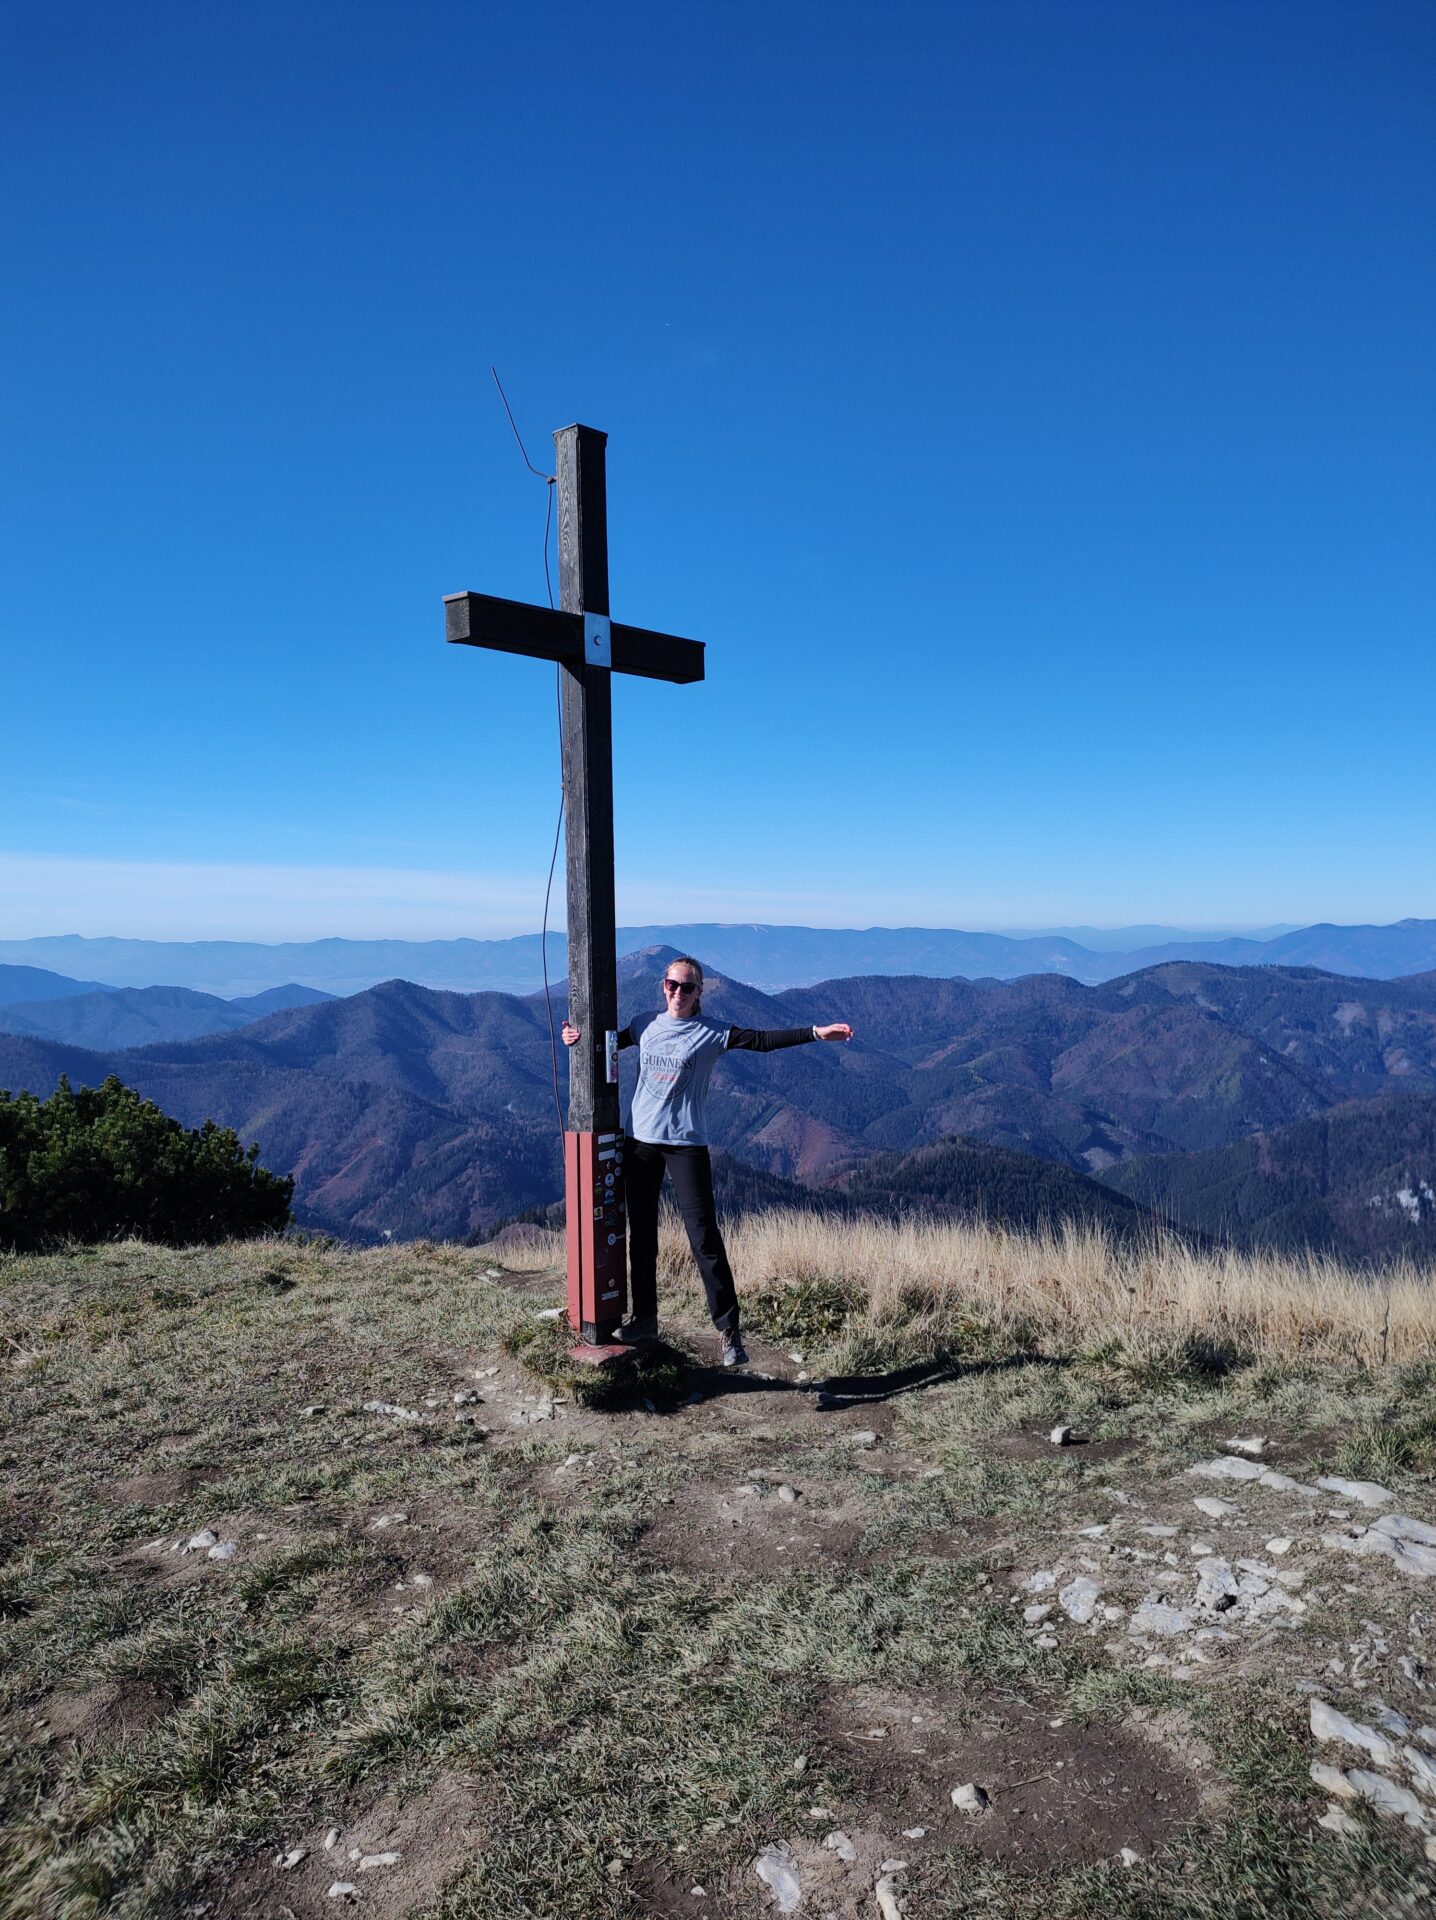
[1365, 1493]
[914, 1833]
[1331, 1780]
[1213, 1508]
[1227, 1468]
[1037, 1612]
[788, 1495]
[1409, 1556]
[1337, 1820]
[342, 1890]
[331, 1839]
[1061, 1436]
[223, 1550]
[1281, 1544]
[1129, 1857]
[286, 1861]
[388, 1407]
[885, 1893]
[202, 1541]
[1250, 1446]
[1217, 1585]
[1154, 1615]
[1389, 1799]
[1328, 1724]
[371, 1860]
[1078, 1599]
[839, 1843]
[1039, 1582]
[970, 1798]
[1422, 1769]
[1401, 1527]
[778, 1870]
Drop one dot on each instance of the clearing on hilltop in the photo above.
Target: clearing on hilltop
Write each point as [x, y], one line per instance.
[1022, 1575]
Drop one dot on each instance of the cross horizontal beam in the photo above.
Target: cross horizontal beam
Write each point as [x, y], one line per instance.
[541, 633]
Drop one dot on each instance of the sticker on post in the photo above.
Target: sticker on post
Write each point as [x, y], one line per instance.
[610, 1061]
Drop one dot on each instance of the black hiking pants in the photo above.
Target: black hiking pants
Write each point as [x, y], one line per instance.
[691, 1172]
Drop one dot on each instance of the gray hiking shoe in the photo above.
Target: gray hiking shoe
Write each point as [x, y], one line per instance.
[735, 1354]
[639, 1331]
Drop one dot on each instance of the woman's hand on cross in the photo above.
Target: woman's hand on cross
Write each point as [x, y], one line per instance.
[571, 1034]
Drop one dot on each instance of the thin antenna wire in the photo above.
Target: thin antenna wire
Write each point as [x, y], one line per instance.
[549, 480]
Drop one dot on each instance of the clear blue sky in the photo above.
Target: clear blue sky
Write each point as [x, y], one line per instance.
[1029, 402]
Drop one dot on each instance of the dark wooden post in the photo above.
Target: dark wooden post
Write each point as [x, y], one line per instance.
[588, 777]
[589, 649]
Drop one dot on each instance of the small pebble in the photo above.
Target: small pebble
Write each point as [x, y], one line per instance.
[369, 1860]
[310, 1413]
[202, 1541]
[285, 1861]
[331, 1839]
[223, 1550]
[343, 1890]
[1129, 1857]
[914, 1833]
[787, 1494]
[1061, 1436]
[969, 1798]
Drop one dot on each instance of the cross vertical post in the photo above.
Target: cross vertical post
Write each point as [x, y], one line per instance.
[590, 648]
[588, 781]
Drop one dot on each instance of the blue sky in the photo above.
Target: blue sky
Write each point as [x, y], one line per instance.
[1029, 403]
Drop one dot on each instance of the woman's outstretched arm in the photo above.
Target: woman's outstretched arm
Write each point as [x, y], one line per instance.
[768, 1039]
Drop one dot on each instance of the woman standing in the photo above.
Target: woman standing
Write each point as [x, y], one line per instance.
[678, 1051]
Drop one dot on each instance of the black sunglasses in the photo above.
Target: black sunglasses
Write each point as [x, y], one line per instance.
[681, 986]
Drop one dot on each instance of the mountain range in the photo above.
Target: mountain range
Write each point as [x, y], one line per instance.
[408, 1111]
[770, 957]
[46, 1006]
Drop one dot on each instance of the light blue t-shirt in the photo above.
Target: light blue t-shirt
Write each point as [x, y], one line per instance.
[675, 1063]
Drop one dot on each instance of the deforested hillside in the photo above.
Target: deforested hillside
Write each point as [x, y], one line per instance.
[1358, 1181]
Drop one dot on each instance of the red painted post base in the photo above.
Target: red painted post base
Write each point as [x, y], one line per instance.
[596, 1230]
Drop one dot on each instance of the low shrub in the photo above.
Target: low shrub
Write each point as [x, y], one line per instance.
[100, 1163]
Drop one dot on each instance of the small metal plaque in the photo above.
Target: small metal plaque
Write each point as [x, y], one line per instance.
[597, 640]
[610, 1060]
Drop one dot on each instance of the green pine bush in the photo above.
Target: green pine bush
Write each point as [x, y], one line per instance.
[101, 1163]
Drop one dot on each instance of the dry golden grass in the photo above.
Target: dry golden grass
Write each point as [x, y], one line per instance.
[1071, 1288]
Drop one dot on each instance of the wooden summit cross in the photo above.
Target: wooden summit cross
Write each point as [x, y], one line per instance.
[589, 648]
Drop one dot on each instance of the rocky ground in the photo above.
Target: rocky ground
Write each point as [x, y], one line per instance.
[327, 1587]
